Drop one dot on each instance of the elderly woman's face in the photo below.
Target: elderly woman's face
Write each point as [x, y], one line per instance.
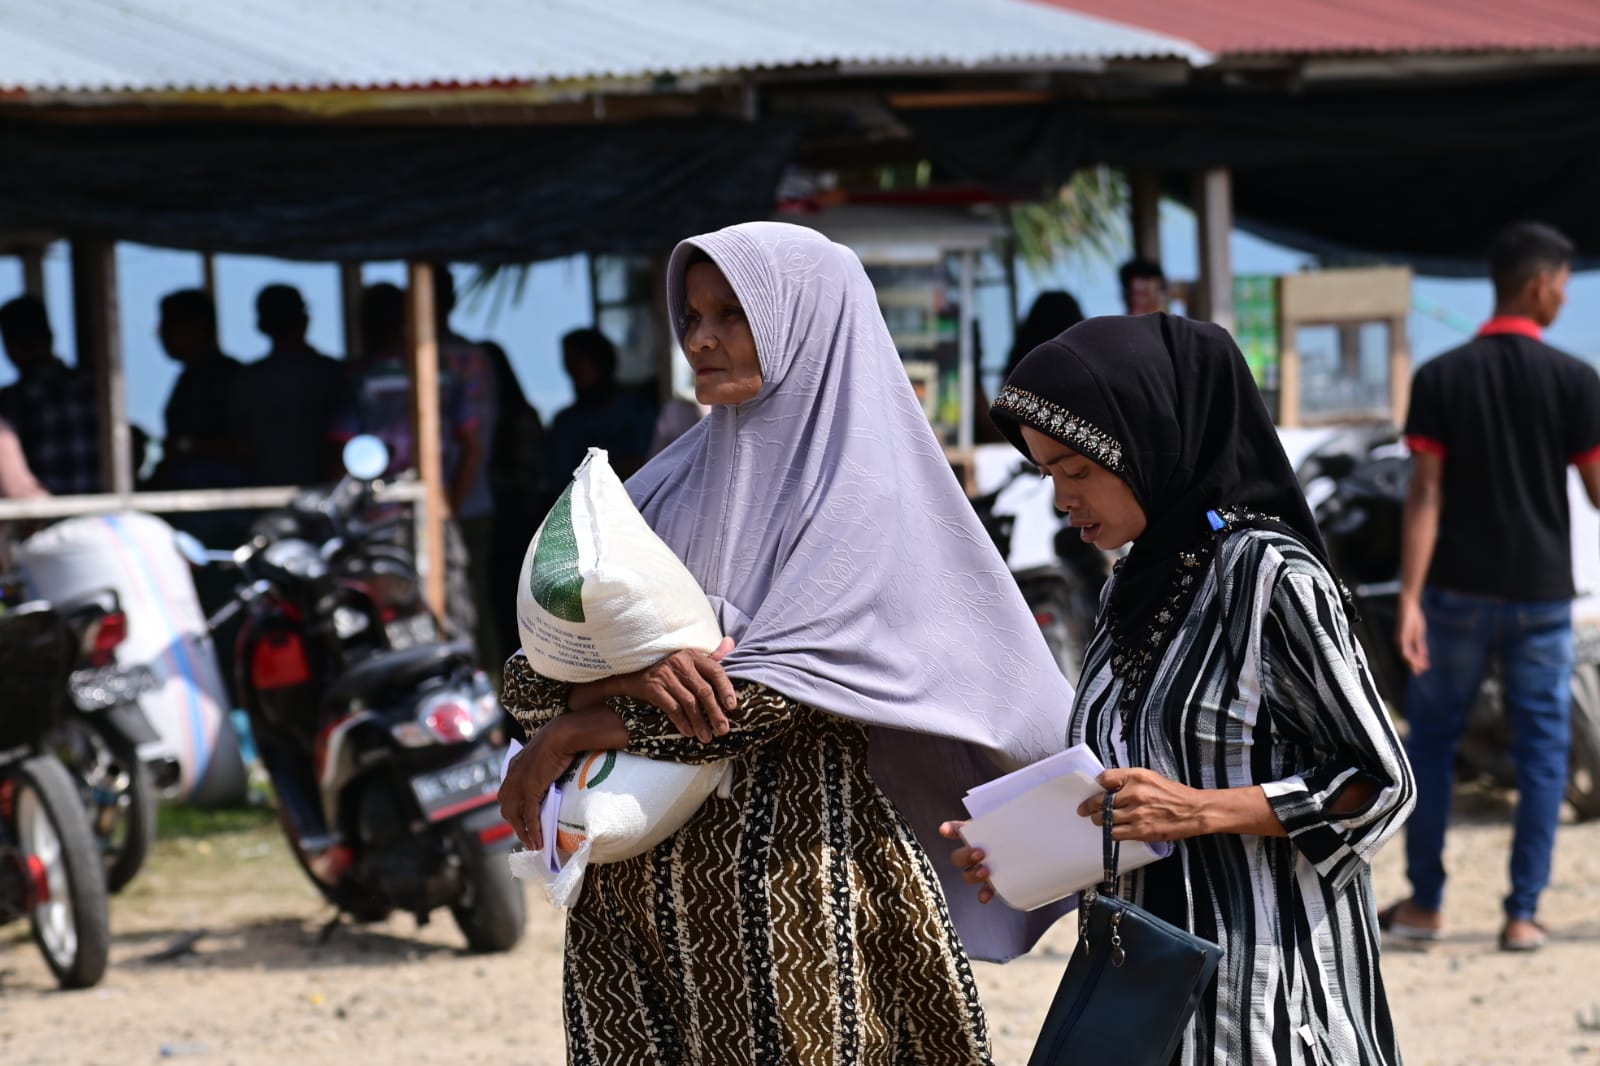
[1097, 503]
[717, 340]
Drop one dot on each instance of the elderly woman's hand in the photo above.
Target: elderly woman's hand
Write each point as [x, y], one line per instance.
[689, 687]
[969, 861]
[535, 768]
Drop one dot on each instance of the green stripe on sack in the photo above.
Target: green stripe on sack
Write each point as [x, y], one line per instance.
[555, 582]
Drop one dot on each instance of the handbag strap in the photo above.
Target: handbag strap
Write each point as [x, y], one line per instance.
[1111, 850]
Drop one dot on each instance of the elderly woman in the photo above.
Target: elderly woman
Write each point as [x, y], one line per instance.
[1222, 685]
[800, 921]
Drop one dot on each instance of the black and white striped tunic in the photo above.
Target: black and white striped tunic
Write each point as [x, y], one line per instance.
[1300, 716]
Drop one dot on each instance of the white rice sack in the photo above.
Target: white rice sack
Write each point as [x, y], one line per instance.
[611, 806]
[600, 594]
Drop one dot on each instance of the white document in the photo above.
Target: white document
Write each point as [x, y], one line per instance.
[1038, 848]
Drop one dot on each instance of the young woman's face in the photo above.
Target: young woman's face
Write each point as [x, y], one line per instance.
[717, 340]
[1097, 503]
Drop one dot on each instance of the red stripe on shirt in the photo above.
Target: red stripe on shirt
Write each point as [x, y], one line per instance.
[1585, 458]
[1517, 324]
[1426, 444]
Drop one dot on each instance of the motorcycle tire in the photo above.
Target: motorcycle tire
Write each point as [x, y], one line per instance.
[349, 898]
[1583, 767]
[125, 838]
[73, 926]
[492, 912]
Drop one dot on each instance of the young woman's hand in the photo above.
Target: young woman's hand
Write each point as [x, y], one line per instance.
[689, 687]
[1156, 809]
[969, 861]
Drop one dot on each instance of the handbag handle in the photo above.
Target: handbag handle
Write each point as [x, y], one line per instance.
[1111, 850]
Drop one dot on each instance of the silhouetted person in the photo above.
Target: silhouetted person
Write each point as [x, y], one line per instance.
[602, 415]
[51, 406]
[515, 474]
[285, 405]
[1053, 313]
[202, 448]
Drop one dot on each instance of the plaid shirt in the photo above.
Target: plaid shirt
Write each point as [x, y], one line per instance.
[52, 408]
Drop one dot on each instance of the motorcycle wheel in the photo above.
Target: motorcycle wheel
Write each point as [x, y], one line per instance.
[1583, 768]
[493, 910]
[118, 796]
[72, 924]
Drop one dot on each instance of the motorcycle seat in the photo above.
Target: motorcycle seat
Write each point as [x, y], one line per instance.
[394, 671]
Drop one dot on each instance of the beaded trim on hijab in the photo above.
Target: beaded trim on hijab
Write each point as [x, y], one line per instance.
[1056, 421]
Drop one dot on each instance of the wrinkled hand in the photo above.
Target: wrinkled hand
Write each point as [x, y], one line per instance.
[1411, 633]
[1147, 806]
[689, 687]
[969, 860]
[535, 768]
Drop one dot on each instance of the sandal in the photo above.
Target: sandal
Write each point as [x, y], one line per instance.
[1405, 930]
[1532, 942]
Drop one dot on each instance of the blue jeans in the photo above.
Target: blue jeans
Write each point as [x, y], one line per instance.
[1533, 642]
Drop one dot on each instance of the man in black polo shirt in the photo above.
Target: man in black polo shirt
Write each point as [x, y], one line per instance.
[1486, 567]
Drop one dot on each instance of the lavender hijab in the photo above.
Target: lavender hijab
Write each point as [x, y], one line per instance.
[824, 523]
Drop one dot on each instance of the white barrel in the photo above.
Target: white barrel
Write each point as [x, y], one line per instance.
[134, 555]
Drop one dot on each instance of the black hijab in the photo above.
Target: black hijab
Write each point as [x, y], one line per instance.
[1169, 405]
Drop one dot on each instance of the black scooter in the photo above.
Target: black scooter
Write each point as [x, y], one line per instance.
[383, 742]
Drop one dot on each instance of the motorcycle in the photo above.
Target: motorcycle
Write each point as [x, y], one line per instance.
[383, 742]
[100, 739]
[1062, 592]
[1356, 483]
[50, 863]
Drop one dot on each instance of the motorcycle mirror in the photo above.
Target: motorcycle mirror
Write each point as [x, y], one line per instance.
[190, 548]
[366, 458]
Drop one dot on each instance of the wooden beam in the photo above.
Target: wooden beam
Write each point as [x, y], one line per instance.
[1144, 209]
[1399, 369]
[422, 347]
[94, 299]
[208, 275]
[350, 305]
[32, 256]
[1213, 208]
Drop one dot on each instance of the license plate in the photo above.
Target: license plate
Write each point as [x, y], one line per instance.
[98, 688]
[403, 633]
[460, 788]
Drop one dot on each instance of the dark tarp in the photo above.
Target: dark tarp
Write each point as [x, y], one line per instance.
[1406, 173]
[484, 194]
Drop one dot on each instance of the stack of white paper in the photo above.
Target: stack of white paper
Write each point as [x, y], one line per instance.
[1038, 848]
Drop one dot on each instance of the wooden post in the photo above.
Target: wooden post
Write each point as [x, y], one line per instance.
[1144, 208]
[664, 341]
[208, 274]
[422, 347]
[94, 301]
[350, 304]
[32, 256]
[1399, 369]
[1213, 208]
[966, 363]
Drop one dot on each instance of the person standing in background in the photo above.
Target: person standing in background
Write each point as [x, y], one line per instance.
[16, 480]
[285, 404]
[1144, 286]
[51, 406]
[602, 415]
[1492, 427]
[201, 449]
[516, 471]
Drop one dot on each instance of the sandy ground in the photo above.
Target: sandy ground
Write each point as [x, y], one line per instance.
[259, 988]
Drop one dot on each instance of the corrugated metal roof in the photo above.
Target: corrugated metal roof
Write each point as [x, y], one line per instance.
[210, 45]
[1303, 27]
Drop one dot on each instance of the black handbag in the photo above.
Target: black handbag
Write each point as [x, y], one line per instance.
[1131, 985]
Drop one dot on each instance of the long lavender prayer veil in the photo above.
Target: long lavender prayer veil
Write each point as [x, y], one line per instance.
[824, 522]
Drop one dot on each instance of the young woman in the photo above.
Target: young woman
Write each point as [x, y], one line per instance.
[1222, 685]
[801, 921]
